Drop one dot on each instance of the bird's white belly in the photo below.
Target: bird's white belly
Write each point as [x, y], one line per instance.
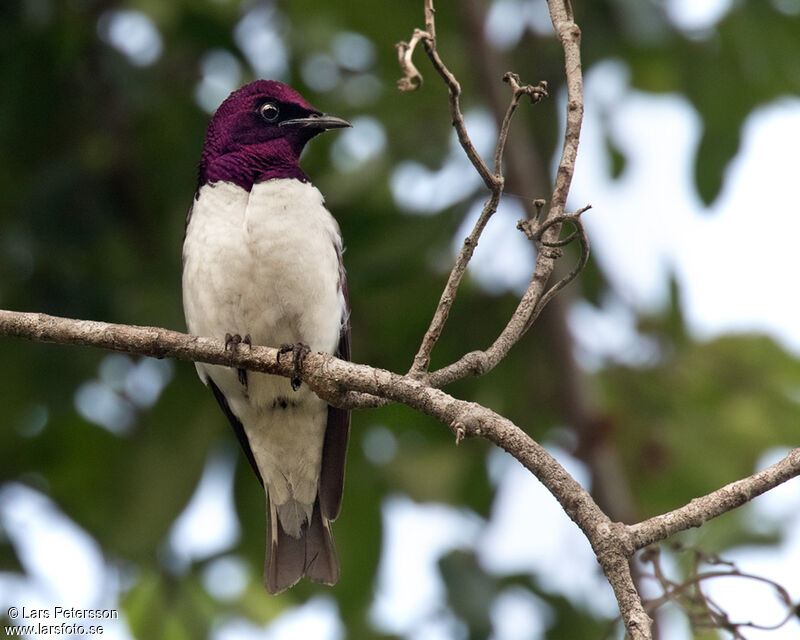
[266, 263]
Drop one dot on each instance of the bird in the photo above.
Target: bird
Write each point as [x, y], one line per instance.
[262, 264]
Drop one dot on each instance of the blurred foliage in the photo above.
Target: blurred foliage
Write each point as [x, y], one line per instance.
[97, 158]
[732, 407]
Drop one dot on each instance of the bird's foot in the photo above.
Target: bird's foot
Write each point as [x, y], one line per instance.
[299, 352]
[232, 342]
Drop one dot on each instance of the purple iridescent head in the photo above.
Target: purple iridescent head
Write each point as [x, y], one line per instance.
[258, 133]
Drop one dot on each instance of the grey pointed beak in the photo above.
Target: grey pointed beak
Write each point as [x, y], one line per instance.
[323, 122]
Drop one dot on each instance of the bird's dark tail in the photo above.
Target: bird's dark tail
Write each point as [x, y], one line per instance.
[288, 559]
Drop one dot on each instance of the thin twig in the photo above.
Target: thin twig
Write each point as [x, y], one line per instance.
[536, 93]
[714, 504]
[430, 18]
[423, 357]
[412, 79]
[689, 592]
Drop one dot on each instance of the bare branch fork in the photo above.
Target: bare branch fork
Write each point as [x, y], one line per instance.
[352, 385]
[544, 234]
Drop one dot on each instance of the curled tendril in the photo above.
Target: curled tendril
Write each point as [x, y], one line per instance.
[412, 78]
[535, 230]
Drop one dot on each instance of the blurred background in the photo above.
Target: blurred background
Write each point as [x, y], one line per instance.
[669, 369]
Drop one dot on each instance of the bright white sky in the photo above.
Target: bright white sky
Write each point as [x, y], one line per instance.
[737, 270]
[735, 262]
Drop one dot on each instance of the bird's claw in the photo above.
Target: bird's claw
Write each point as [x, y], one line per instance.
[299, 352]
[232, 342]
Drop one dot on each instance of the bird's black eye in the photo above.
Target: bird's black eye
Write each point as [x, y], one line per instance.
[269, 111]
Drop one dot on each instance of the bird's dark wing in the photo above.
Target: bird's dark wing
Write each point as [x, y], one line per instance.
[337, 433]
[238, 429]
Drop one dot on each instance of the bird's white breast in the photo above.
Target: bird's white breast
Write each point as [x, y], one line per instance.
[266, 263]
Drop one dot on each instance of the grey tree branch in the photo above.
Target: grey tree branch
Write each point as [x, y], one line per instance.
[332, 379]
[701, 510]
[340, 382]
